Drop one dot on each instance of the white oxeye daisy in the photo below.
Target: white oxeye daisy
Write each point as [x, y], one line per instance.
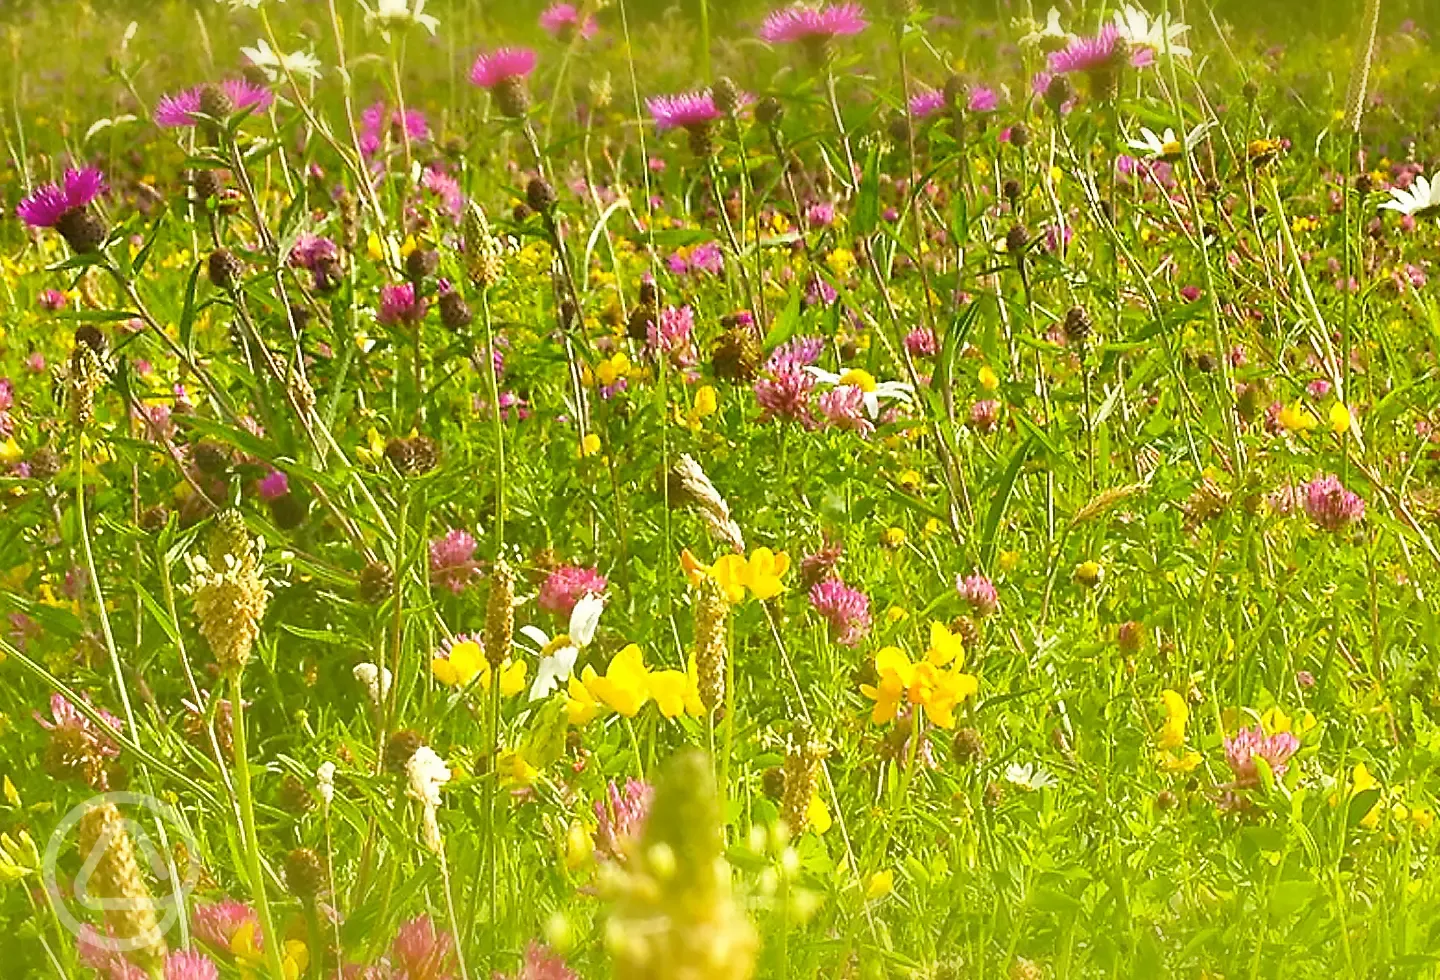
[1029, 777]
[1420, 199]
[1159, 35]
[398, 13]
[1168, 146]
[1051, 37]
[558, 654]
[275, 64]
[874, 391]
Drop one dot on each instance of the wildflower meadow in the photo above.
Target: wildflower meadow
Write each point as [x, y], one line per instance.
[706, 490]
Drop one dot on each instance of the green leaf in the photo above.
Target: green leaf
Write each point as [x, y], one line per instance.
[867, 205]
[1004, 490]
[187, 314]
[786, 323]
[1360, 805]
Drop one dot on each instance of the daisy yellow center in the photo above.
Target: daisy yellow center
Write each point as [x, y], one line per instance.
[863, 380]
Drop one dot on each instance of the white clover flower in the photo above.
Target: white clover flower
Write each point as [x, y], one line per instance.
[376, 680]
[1420, 199]
[275, 64]
[325, 781]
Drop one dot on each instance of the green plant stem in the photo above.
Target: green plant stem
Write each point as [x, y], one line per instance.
[254, 864]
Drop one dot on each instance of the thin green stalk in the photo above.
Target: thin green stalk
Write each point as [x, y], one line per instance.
[251, 842]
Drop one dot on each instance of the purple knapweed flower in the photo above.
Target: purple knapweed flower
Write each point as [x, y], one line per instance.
[983, 99]
[926, 102]
[379, 121]
[685, 110]
[1250, 743]
[493, 68]
[847, 610]
[446, 188]
[272, 486]
[183, 108]
[802, 22]
[562, 22]
[567, 585]
[1330, 505]
[48, 203]
[452, 560]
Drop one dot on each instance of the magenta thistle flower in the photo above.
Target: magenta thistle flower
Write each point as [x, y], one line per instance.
[926, 102]
[452, 560]
[48, 203]
[183, 108]
[1250, 743]
[567, 585]
[562, 21]
[802, 22]
[686, 109]
[379, 121]
[847, 610]
[1086, 54]
[979, 592]
[400, 305]
[1330, 505]
[422, 951]
[272, 486]
[983, 99]
[620, 817]
[446, 188]
[216, 924]
[493, 68]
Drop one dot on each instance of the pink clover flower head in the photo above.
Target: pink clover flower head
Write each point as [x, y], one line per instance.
[452, 560]
[926, 102]
[496, 67]
[446, 188]
[48, 203]
[52, 300]
[97, 952]
[1330, 505]
[567, 585]
[672, 334]
[562, 22]
[67, 717]
[785, 394]
[216, 924]
[687, 110]
[844, 408]
[311, 251]
[979, 592]
[183, 108]
[423, 951]
[802, 22]
[847, 610]
[186, 965]
[984, 415]
[621, 816]
[921, 342]
[820, 215]
[1250, 743]
[400, 305]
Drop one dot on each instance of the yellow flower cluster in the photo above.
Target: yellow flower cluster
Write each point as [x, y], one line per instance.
[763, 574]
[465, 663]
[934, 685]
[628, 684]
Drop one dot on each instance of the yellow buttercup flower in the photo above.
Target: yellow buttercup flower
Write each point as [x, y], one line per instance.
[766, 570]
[1177, 713]
[590, 445]
[677, 692]
[988, 379]
[1297, 418]
[928, 686]
[763, 574]
[625, 685]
